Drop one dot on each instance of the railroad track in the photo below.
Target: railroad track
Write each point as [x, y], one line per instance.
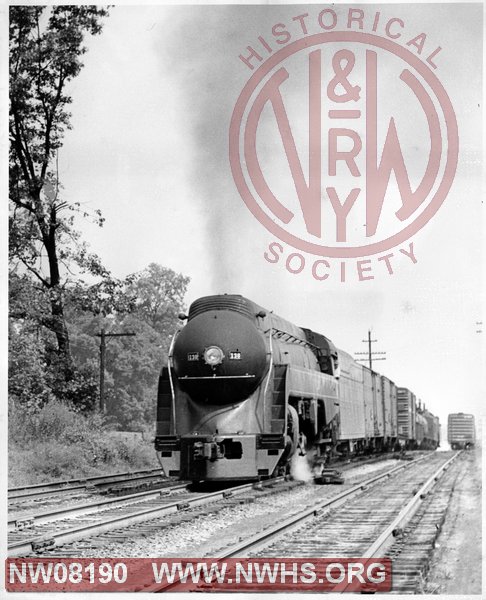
[118, 481]
[29, 531]
[39, 532]
[365, 520]
[39, 535]
[24, 521]
[411, 551]
[74, 485]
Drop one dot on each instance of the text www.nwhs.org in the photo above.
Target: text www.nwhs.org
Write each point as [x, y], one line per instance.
[327, 574]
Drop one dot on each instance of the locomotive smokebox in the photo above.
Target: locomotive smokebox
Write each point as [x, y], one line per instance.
[220, 357]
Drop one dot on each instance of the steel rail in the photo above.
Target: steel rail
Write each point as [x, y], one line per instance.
[260, 539]
[408, 511]
[241, 548]
[84, 531]
[19, 522]
[74, 484]
[48, 492]
[387, 536]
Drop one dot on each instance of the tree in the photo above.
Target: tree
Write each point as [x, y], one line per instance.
[147, 304]
[28, 379]
[158, 294]
[133, 365]
[36, 371]
[46, 46]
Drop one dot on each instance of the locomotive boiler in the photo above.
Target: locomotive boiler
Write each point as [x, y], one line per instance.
[244, 388]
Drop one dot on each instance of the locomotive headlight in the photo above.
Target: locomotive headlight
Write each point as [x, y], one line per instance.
[213, 356]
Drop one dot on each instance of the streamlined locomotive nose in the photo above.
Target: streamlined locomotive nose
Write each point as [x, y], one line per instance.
[220, 357]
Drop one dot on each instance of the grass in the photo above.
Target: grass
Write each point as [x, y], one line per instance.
[58, 443]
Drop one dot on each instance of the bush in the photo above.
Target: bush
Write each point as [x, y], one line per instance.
[59, 442]
[27, 370]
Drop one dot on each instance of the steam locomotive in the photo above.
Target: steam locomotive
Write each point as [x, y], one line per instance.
[244, 389]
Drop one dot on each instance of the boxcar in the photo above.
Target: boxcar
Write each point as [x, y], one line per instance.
[389, 396]
[421, 429]
[352, 413]
[461, 431]
[406, 416]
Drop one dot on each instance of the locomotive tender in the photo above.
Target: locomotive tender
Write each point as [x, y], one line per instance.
[245, 388]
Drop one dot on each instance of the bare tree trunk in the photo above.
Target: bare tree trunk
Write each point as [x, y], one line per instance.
[59, 324]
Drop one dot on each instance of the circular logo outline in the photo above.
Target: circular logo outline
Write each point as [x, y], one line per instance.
[336, 251]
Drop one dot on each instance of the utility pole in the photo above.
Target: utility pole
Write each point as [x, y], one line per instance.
[370, 354]
[103, 335]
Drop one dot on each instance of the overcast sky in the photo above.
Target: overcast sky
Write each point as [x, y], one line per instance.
[151, 112]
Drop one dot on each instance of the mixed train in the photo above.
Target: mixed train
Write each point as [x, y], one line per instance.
[245, 389]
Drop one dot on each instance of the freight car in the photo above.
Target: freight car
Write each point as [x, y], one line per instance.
[461, 432]
[244, 388]
[432, 431]
[417, 427]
